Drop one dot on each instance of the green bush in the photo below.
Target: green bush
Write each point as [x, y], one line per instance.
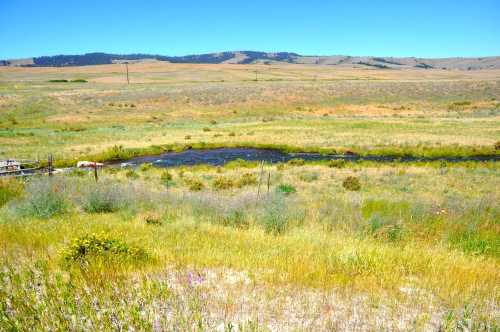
[166, 177]
[296, 162]
[194, 184]
[497, 146]
[286, 189]
[232, 134]
[222, 183]
[79, 80]
[103, 198]
[247, 179]
[145, 167]
[206, 129]
[10, 189]
[87, 247]
[275, 216]
[336, 163]
[132, 174]
[351, 183]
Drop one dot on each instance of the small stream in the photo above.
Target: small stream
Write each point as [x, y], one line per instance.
[219, 157]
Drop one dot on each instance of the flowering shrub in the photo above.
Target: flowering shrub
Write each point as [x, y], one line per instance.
[87, 246]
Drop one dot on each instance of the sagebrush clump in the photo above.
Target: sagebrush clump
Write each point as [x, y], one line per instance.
[296, 162]
[104, 198]
[336, 163]
[223, 183]
[351, 183]
[194, 184]
[247, 179]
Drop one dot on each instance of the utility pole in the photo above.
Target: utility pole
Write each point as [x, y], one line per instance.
[126, 66]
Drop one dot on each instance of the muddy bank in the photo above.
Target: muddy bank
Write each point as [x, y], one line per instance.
[219, 157]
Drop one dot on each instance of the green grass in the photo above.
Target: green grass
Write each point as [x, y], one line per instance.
[414, 246]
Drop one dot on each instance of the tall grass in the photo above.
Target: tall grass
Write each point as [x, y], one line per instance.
[43, 198]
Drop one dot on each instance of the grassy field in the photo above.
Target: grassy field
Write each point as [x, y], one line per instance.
[301, 107]
[299, 246]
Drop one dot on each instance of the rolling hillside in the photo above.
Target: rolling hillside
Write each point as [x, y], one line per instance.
[251, 57]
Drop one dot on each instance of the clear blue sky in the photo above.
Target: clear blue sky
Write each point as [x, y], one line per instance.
[425, 28]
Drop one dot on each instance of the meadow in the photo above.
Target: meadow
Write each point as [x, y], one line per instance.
[297, 246]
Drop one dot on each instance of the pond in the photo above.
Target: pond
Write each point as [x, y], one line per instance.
[219, 157]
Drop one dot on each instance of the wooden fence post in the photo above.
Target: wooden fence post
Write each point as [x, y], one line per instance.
[95, 172]
[268, 181]
[49, 164]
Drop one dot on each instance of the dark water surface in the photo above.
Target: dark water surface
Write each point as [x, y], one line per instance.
[219, 157]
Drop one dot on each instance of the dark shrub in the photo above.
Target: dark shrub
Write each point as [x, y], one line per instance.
[153, 219]
[296, 162]
[83, 248]
[145, 167]
[351, 183]
[131, 174]
[166, 177]
[497, 145]
[194, 184]
[247, 179]
[337, 163]
[222, 183]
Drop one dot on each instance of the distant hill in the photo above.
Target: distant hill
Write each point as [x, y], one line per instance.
[252, 57]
